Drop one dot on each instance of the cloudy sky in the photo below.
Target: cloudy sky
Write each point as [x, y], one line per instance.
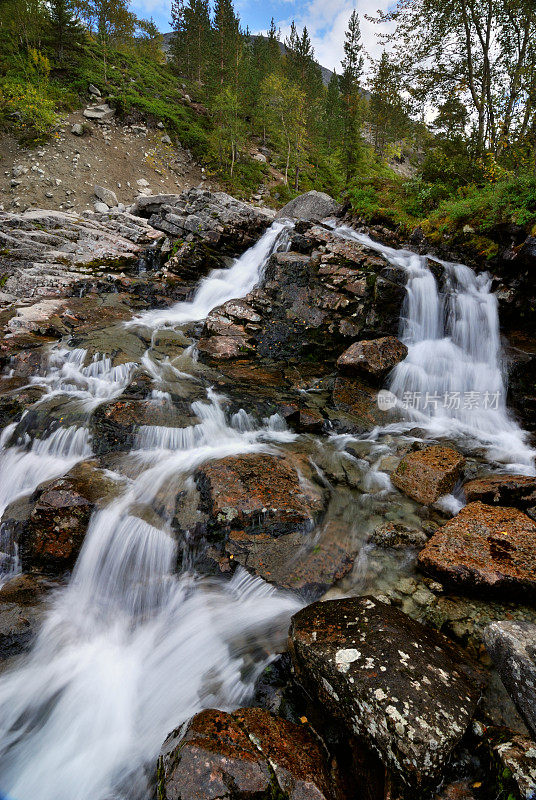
[326, 20]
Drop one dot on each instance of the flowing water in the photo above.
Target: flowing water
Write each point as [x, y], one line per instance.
[129, 648]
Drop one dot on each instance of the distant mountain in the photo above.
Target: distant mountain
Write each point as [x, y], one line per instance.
[326, 73]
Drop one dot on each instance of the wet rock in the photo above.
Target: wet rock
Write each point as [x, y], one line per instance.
[310, 206]
[516, 755]
[60, 512]
[116, 424]
[21, 611]
[258, 493]
[485, 549]
[242, 756]
[512, 646]
[395, 536]
[106, 196]
[503, 490]
[290, 561]
[375, 357]
[460, 790]
[407, 690]
[356, 406]
[426, 475]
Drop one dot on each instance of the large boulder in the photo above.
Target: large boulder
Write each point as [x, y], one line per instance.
[106, 196]
[512, 647]
[54, 530]
[515, 759]
[258, 493]
[404, 688]
[502, 490]
[375, 357]
[310, 206]
[222, 224]
[485, 549]
[247, 755]
[425, 475]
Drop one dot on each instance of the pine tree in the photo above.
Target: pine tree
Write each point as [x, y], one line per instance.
[387, 113]
[332, 120]
[352, 65]
[197, 31]
[301, 66]
[65, 32]
[227, 45]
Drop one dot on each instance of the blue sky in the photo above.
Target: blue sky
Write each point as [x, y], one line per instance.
[326, 20]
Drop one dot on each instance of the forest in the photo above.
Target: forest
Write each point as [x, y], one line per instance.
[452, 98]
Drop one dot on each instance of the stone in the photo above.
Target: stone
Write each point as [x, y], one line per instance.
[101, 208]
[60, 512]
[99, 113]
[93, 90]
[166, 139]
[21, 611]
[517, 757]
[242, 756]
[142, 182]
[310, 206]
[486, 549]
[404, 688]
[512, 647]
[395, 536]
[260, 157]
[77, 129]
[425, 475]
[258, 492]
[375, 357]
[105, 195]
[503, 490]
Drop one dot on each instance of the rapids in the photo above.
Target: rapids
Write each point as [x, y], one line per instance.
[129, 648]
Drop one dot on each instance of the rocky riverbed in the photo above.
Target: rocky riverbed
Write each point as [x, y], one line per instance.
[170, 431]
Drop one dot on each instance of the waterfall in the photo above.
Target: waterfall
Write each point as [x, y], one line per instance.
[130, 649]
[452, 381]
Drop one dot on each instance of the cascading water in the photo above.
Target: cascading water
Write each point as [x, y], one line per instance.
[451, 382]
[129, 648]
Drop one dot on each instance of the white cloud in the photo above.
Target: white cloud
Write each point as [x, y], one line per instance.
[327, 20]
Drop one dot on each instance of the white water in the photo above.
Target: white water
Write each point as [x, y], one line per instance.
[130, 649]
[452, 382]
[221, 285]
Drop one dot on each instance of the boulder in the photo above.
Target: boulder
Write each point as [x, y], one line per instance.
[375, 357]
[404, 688]
[99, 113]
[395, 536]
[310, 206]
[258, 493]
[77, 129]
[105, 196]
[512, 647]
[516, 757]
[92, 89]
[229, 226]
[21, 611]
[101, 208]
[485, 549]
[60, 512]
[166, 139]
[260, 157]
[425, 475]
[247, 755]
[503, 490]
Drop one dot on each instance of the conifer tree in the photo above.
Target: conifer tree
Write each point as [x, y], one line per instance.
[227, 45]
[65, 32]
[387, 113]
[352, 65]
[197, 31]
[332, 119]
